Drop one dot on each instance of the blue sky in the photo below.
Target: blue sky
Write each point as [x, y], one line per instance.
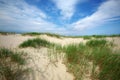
[72, 17]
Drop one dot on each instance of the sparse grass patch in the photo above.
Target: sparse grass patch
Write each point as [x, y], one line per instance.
[37, 34]
[103, 56]
[77, 61]
[53, 35]
[87, 37]
[99, 53]
[97, 43]
[99, 36]
[37, 42]
[32, 34]
[108, 63]
[11, 64]
[6, 33]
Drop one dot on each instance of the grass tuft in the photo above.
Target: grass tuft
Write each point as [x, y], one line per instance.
[96, 43]
[37, 34]
[105, 62]
[87, 37]
[11, 64]
[76, 59]
[37, 42]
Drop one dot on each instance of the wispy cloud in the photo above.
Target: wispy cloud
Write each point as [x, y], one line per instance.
[107, 11]
[67, 7]
[17, 15]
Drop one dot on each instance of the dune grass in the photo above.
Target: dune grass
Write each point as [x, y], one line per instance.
[78, 57]
[37, 34]
[99, 53]
[87, 37]
[11, 64]
[76, 60]
[97, 43]
[108, 63]
[104, 36]
[36, 43]
[6, 33]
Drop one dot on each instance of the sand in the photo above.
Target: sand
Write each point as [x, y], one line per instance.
[43, 64]
[116, 42]
[12, 41]
[63, 41]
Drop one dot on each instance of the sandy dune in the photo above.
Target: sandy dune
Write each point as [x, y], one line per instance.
[44, 65]
[63, 41]
[116, 41]
[12, 41]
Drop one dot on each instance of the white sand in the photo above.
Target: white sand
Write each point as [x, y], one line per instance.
[44, 66]
[116, 42]
[63, 41]
[12, 41]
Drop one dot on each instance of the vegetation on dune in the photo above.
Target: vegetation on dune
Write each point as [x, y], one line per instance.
[87, 37]
[97, 43]
[6, 33]
[105, 62]
[31, 34]
[99, 52]
[11, 64]
[93, 36]
[79, 56]
[37, 42]
[104, 36]
[76, 60]
[108, 63]
[49, 34]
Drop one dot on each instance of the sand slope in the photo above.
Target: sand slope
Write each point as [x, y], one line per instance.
[43, 64]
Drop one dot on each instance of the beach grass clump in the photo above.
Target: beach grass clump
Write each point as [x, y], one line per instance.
[108, 63]
[105, 62]
[37, 34]
[6, 33]
[11, 64]
[76, 60]
[99, 36]
[53, 35]
[87, 37]
[37, 42]
[110, 68]
[31, 34]
[97, 43]
[114, 35]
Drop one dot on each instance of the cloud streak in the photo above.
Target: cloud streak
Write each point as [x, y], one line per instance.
[17, 15]
[107, 11]
[67, 8]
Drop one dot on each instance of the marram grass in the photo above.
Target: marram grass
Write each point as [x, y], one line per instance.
[37, 42]
[11, 64]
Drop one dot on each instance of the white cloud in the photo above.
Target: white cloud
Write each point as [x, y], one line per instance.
[67, 7]
[17, 15]
[106, 12]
